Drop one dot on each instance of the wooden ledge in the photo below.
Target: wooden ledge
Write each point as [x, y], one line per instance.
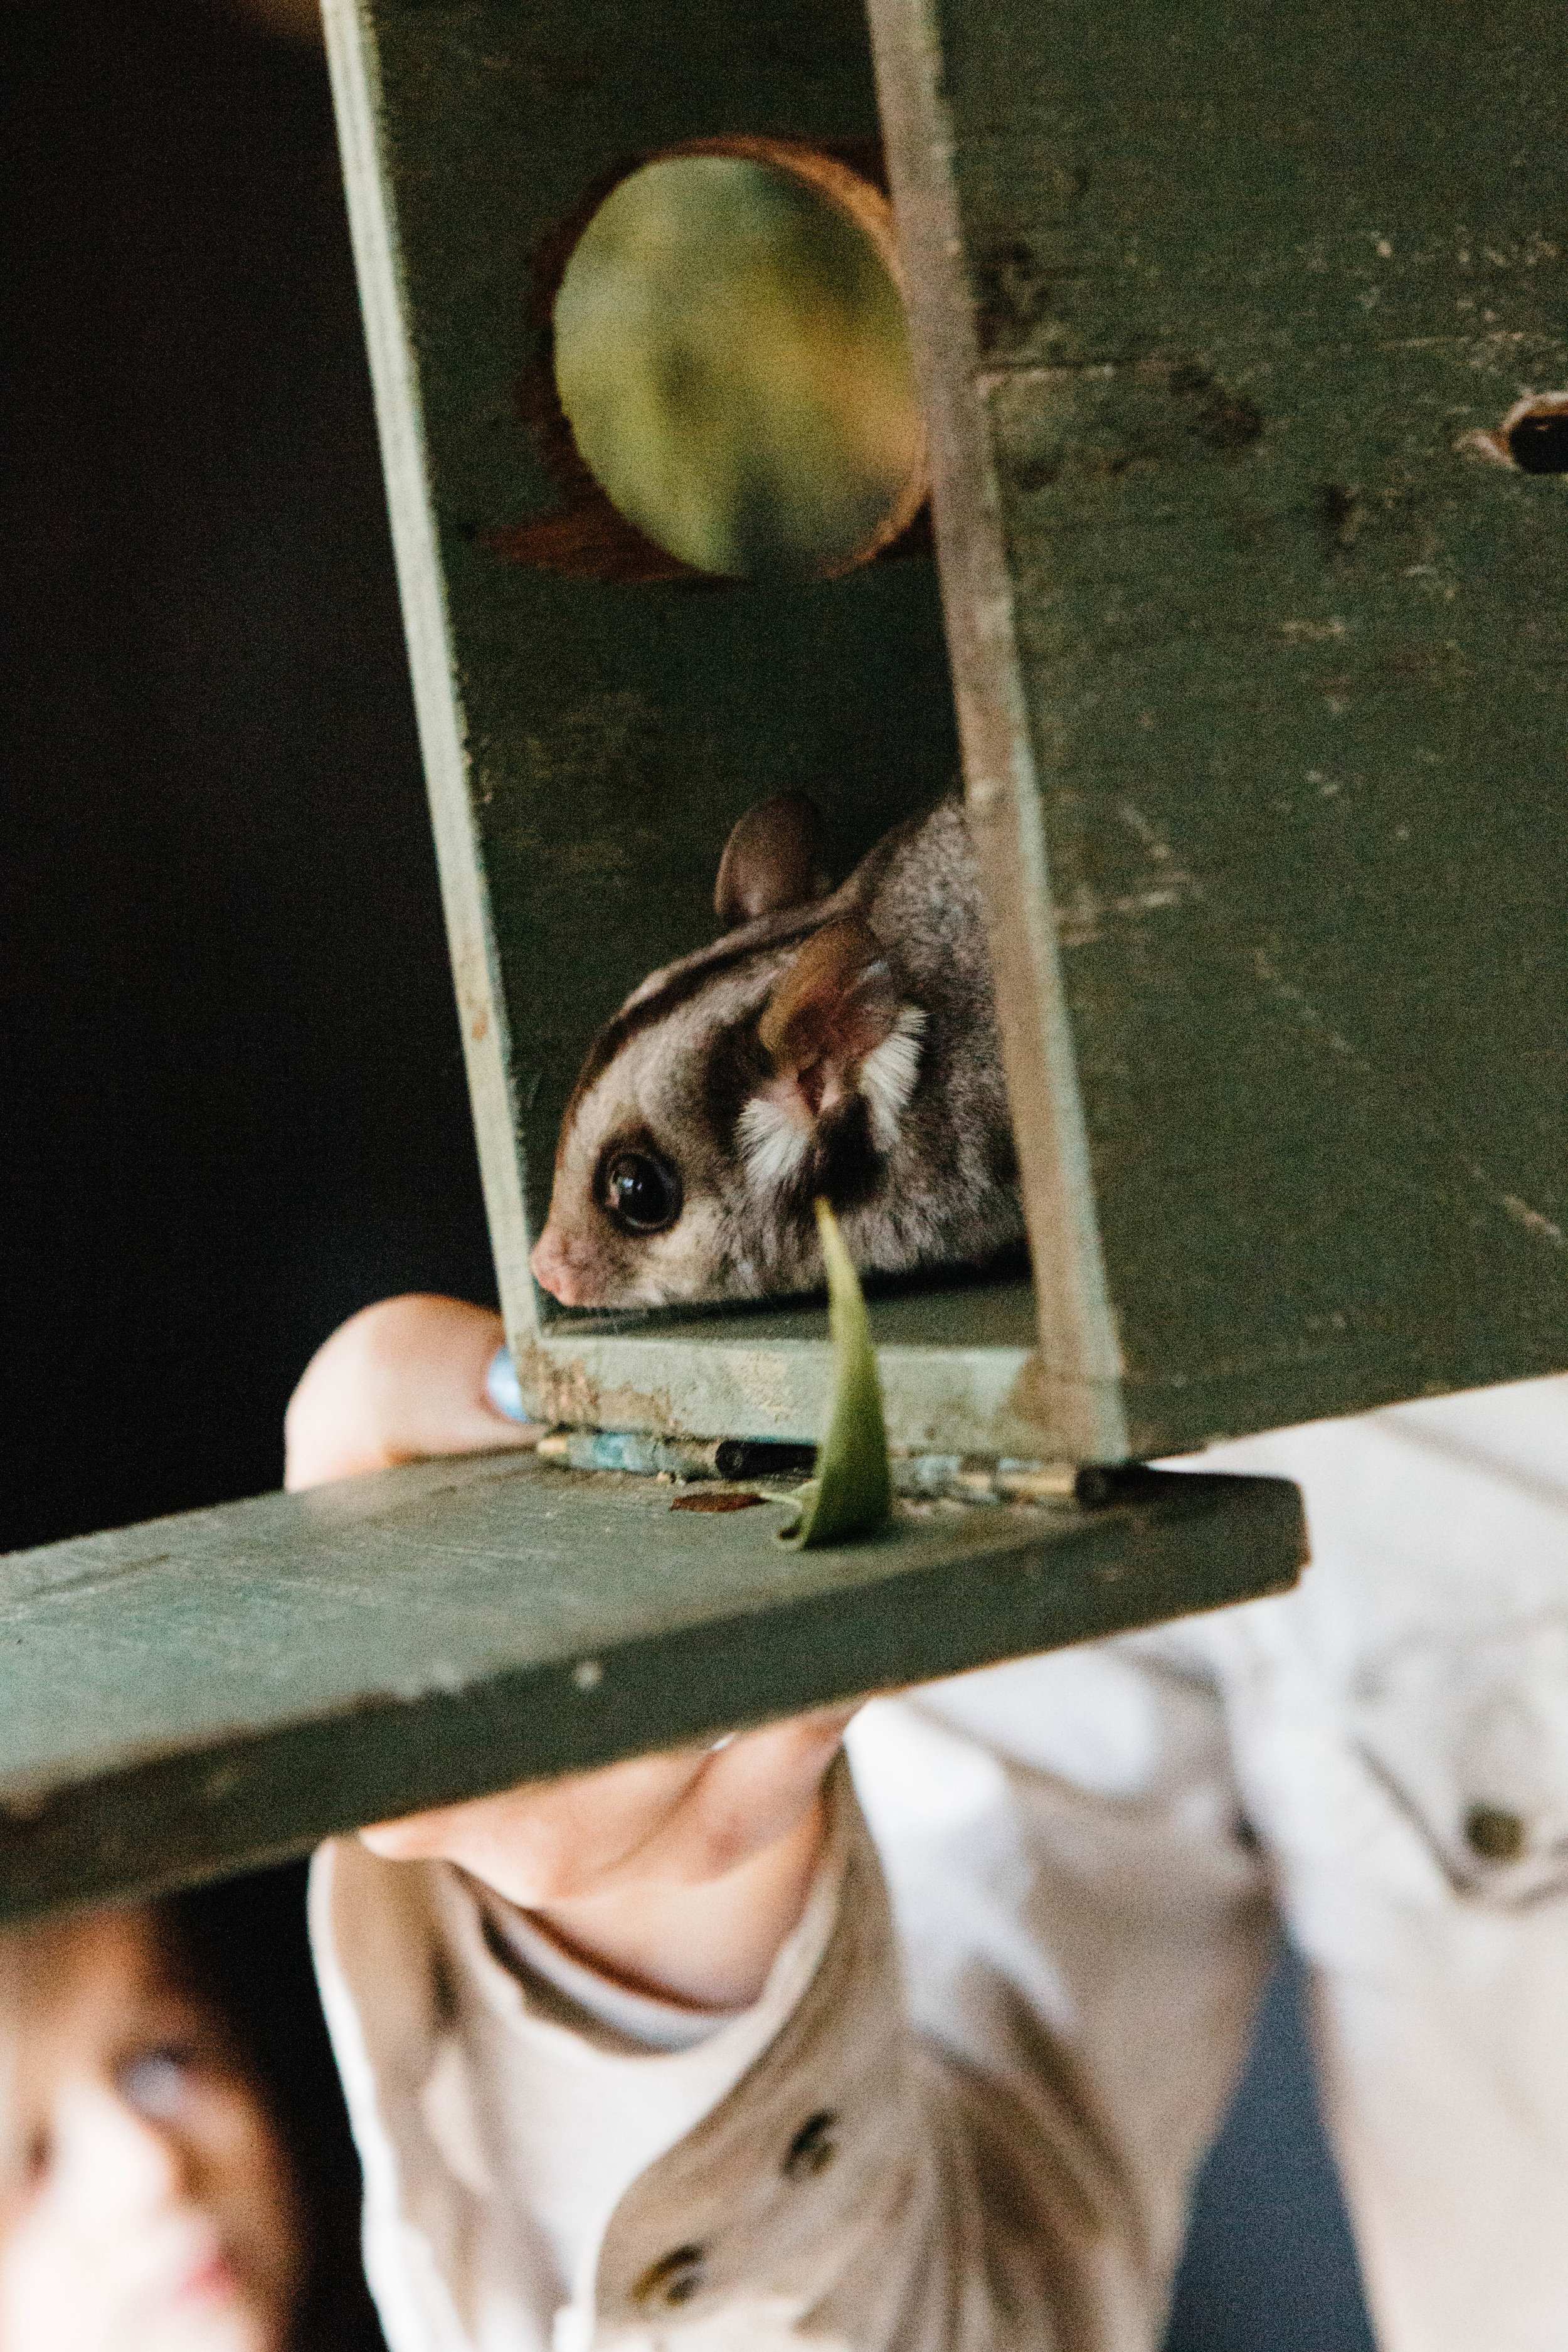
[201, 1695]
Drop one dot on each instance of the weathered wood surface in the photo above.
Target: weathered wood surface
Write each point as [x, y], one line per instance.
[955, 1368]
[589, 742]
[1261, 667]
[1264, 666]
[202, 1694]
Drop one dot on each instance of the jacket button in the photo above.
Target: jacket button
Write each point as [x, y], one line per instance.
[675, 2278]
[813, 2149]
[1495, 1834]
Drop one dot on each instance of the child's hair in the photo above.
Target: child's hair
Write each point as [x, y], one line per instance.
[245, 1949]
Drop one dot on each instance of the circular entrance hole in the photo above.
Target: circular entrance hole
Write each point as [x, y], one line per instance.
[731, 354]
[1536, 433]
[1533, 436]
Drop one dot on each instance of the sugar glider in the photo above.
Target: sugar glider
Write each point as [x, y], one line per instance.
[842, 1045]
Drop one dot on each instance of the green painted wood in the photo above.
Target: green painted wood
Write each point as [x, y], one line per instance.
[955, 1368]
[1259, 669]
[588, 744]
[1263, 666]
[203, 1694]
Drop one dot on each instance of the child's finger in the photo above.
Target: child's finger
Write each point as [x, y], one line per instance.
[398, 1381]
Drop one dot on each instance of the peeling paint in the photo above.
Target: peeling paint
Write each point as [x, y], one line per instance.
[1430, 1130]
[764, 1378]
[1164, 887]
[709, 1387]
[1081, 922]
[1312, 633]
[1531, 1219]
[569, 1393]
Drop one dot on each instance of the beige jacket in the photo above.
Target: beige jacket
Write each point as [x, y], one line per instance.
[977, 2135]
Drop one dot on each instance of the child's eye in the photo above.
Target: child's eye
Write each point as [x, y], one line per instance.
[156, 2082]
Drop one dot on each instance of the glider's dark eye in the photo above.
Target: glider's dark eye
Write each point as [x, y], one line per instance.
[642, 1194]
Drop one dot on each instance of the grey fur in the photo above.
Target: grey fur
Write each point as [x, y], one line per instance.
[681, 1062]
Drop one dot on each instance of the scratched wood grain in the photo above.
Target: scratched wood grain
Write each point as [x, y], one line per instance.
[201, 1694]
[1262, 666]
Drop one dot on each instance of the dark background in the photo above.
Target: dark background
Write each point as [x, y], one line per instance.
[232, 1098]
[232, 1105]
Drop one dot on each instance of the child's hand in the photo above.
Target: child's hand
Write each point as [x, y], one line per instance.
[682, 1873]
[395, 1383]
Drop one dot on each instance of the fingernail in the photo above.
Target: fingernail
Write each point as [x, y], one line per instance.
[502, 1389]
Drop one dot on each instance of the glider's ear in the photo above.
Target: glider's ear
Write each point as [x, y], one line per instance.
[771, 860]
[834, 1006]
[833, 1029]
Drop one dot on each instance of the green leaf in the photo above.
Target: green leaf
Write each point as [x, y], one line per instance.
[852, 1493]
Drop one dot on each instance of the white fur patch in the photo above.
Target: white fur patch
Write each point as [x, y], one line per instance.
[888, 1077]
[773, 1142]
[775, 1136]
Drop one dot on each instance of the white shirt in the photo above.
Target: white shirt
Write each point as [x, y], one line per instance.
[979, 2135]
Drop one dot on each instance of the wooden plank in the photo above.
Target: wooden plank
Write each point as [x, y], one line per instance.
[956, 1368]
[1260, 666]
[588, 743]
[1262, 670]
[204, 1694]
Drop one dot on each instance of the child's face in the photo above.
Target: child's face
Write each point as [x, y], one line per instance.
[148, 2205]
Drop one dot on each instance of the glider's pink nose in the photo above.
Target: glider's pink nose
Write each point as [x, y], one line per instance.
[553, 1270]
